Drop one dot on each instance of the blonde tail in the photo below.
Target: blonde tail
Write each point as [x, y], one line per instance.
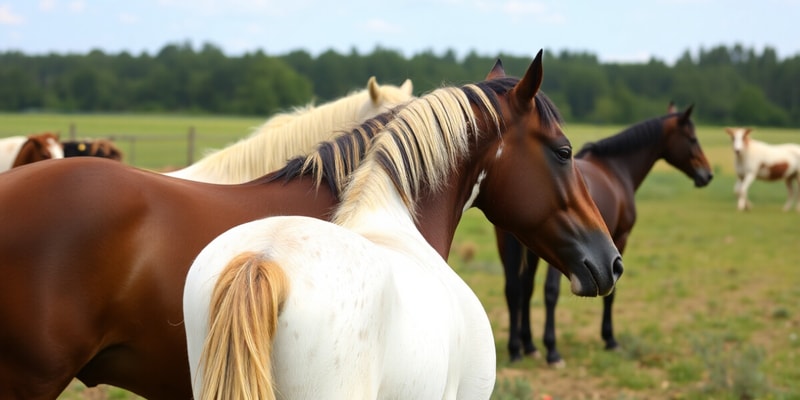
[243, 318]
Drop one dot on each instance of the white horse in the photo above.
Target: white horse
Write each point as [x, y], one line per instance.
[19, 150]
[292, 134]
[755, 159]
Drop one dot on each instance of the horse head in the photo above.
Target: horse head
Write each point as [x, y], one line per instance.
[43, 146]
[682, 149]
[531, 163]
[384, 97]
[740, 137]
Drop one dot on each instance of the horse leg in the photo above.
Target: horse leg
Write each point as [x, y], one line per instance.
[744, 204]
[552, 287]
[511, 251]
[791, 196]
[607, 326]
[527, 277]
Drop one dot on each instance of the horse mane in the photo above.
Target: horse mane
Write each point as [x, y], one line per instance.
[634, 137]
[426, 140]
[335, 160]
[286, 134]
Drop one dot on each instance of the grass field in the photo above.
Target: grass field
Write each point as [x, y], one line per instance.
[707, 307]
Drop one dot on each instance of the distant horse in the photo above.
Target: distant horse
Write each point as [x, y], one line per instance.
[97, 295]
[613, 168]
[287, 135]
[21, 150]
[755, 159]
[92, 148]
[364, 307]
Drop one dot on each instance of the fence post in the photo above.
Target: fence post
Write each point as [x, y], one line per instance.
[190, 146]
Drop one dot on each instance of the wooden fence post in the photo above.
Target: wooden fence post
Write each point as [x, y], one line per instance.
[190, 147]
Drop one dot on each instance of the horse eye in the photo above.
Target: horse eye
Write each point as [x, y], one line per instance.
[564, 153]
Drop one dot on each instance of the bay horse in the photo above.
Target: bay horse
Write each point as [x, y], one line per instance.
[364, 306]
[289, 134]
[755, 159]
[97, 295]
[21, 150]
[91, 148]
[613, 169]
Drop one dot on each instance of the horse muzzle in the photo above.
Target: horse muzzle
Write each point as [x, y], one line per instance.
[600, 269]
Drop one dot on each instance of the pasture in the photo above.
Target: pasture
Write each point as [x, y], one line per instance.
[707, 307]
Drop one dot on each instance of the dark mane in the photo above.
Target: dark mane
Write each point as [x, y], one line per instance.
[634, 137]
[548, 112]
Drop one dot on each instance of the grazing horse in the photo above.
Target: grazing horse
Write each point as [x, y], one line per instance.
[97, 295]
[287, 135]
[364, 307]
[21, 150]
[92, 148]
[613, 168]
[755, 159]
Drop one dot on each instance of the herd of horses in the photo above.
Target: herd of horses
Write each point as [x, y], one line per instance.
[310, 258]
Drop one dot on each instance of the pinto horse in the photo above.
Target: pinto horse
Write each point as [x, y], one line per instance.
[755, 159]
[92, 148]
[98, 295]
[287, 135]
[364, 306]
[613, 168]
[21, 150]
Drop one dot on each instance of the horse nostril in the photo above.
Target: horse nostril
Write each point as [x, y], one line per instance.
[617, 268]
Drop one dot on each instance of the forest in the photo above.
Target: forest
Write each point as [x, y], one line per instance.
[727, 85]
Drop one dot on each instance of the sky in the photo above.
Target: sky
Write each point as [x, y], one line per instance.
[615, 31]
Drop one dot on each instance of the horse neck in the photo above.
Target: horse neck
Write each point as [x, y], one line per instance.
[633, 165]
[273, 143]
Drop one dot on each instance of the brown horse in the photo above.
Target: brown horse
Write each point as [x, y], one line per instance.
[92, 148]
[21, 150]
[613, 169]
[95, 293]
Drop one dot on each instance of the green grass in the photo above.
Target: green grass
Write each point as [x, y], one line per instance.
[706, 309]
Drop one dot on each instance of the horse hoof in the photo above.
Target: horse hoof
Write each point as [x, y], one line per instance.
[558, 364]
[533, 354]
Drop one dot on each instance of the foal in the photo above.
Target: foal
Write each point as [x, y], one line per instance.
[755, 159]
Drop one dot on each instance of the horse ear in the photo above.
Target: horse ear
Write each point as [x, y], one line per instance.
[529, 85]
[671, 107]
[374, 90]
[407, 87]
[684, 119]
[497, 71]
[729, 131]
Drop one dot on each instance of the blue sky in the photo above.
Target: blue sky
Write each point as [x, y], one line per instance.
[631, 31]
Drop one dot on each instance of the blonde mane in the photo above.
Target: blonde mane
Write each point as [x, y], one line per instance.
[291, 134]
[420, 146]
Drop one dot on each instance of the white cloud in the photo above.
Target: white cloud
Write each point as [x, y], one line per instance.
[378, 25]
[47, 5]
[77, 6]
[8, 17]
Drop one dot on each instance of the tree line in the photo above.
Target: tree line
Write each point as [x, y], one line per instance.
[727, 85]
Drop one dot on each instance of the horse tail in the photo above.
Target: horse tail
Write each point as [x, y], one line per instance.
[244, 309]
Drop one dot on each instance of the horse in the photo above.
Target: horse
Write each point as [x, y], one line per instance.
[289, 134]
[21, 150]
[110, 312]
[92, 148]
[366, 306]
[613, 169]
[755, 159]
